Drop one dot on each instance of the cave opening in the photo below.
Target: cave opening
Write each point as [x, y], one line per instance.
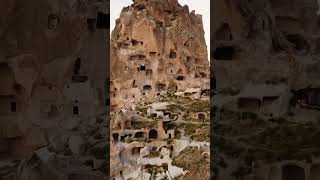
[147, 87]
[139, 135]
[293, 172]
[142, 67]
[172, 54]
[224, 53]
[103, 21]
[77, 66]
[91, 24]
[75, 110]
[201, 116]
[13, 107]
[298, 41]
[134, 42]
[53, 21]
[180, 78]
[153, 134]
[249, 103]
[115, 137]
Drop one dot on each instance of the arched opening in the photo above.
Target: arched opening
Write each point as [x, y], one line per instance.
[213, 83]
[172, 54]
[170, 136]
[134, 83]
[298, 41]
[142, 67]
[180, 78]
[75, 110]
[13, 107]
[115, 137]
[103, 21]
[153, 134]
[293, 172]
[53, 21]
[139, 135]
[147, 87]
[91, 22]
[224, 53]
[134, 42]
[201, 116]
[77, 66]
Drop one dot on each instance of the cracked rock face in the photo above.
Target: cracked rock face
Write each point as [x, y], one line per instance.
[159, 93]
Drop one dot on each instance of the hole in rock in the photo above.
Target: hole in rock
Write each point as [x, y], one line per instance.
[293, 172]
[75, 110]
[249, 103]
[180, 78]
[147, 87]
[103, 21]
[91, 24]
[224, 53]
[153, 134]
[172, 54]
[139, 135]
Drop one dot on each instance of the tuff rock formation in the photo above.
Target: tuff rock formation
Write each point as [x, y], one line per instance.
[159, 93]
[53, 66]
[266, 102]
[156, 46]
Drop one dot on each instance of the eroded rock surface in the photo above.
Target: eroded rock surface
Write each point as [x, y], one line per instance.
[159, 93]
[266, 105]
[53, 66]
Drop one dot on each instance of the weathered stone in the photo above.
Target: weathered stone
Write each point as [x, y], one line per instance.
[76, 144]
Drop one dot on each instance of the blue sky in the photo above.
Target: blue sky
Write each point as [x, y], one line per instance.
[200, 6]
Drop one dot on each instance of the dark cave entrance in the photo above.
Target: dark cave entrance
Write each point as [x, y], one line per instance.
[293, 172]
[172, 54]
[153, 134]
[139, 135]
[115, 137]
[180, 78]
[224, 53]
[298, 41]
[103, 21]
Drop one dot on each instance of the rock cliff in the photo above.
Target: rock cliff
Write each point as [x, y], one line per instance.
[156, 46]
[159, 93]
[266, 105]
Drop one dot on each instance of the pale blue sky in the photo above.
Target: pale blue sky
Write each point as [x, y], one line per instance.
[200, 6]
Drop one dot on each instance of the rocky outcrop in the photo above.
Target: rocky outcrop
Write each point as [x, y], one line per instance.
[52, 95]
[265, 98]
[159, 93]
[156, 46]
